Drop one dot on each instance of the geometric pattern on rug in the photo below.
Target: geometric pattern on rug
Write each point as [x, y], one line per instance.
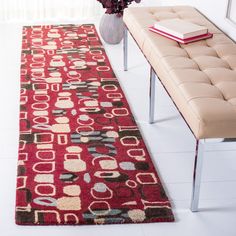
[82, 159]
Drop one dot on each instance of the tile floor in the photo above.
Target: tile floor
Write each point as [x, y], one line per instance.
[169, 140]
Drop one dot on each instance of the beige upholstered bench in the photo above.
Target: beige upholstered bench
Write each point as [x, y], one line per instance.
[200, 77]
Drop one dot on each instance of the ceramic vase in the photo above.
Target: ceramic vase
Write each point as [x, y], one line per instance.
[111, 28]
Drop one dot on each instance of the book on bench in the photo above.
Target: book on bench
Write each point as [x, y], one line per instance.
[180, 30]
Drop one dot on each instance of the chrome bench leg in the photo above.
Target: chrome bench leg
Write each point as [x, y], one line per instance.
[125, 49]
[197, 174]
[152, 96]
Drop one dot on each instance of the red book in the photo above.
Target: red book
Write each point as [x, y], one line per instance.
[184, 41]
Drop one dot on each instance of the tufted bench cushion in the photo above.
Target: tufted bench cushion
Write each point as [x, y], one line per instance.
[200, 77]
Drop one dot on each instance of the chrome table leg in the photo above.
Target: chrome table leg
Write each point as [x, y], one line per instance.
[152, 96]
[197, 174]
[125, 49]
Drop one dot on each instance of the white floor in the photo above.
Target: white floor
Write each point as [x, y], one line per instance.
[169, 140]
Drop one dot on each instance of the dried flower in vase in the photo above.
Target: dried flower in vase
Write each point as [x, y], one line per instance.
[116, 6]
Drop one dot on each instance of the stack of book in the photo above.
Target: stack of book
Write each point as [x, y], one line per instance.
[180, 30]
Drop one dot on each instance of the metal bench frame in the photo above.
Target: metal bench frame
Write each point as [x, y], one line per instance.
[201, 144]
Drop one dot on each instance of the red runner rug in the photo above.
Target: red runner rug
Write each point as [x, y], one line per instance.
[82, 159]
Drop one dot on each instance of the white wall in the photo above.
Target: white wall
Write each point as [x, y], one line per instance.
[150, 2]
[215, 10]
[44, 10]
